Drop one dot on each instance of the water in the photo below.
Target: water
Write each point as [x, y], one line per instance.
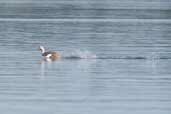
[116, 57]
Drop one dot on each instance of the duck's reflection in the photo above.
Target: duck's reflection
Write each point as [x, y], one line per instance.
[46, 64]
[42, 69]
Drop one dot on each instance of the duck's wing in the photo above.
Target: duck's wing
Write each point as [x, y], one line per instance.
[48, 54]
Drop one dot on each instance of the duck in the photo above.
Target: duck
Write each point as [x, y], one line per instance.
[49, 55]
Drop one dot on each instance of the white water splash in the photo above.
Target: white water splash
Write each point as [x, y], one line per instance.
[78, 54]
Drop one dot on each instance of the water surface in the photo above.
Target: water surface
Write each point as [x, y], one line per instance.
[116, 57]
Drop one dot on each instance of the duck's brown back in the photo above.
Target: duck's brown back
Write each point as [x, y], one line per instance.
[55, 56]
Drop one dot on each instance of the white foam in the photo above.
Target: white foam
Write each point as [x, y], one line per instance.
[80, 54]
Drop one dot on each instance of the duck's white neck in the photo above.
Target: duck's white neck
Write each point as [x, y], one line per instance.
[42, 49]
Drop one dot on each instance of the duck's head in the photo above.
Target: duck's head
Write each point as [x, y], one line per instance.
[42, 49]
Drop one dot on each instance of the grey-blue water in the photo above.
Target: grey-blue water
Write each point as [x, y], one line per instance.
[116, 57]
